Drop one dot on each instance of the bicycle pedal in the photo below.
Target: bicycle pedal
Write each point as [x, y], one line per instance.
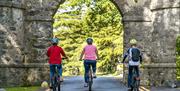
[94, 76]
[85, 85]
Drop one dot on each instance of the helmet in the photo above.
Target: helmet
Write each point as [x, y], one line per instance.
[89, 40]
[55, 40]
[133, 41]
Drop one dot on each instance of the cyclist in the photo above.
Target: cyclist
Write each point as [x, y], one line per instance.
[55, 54]
[135, 58]
[90, 54]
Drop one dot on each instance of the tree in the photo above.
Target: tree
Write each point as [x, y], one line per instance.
[178, 56]
[97, 19]
[178, 45]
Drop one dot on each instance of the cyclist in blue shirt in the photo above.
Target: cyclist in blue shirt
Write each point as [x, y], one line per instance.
[134, 60]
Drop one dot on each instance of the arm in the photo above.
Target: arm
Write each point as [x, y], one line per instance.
[125, 56]
[82, 53]
[140, 58]
[97, 54]
[63, 53]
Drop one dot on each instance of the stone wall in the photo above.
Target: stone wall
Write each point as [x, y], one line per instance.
[38, 22]
[26, 25]
[11, 38]
[166, 26]
[155, 24]
[23, 75]
[12, 31]
[137, 24]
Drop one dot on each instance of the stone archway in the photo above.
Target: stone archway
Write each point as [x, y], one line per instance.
[26, 26]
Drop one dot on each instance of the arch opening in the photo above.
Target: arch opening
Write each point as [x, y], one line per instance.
[101, 20]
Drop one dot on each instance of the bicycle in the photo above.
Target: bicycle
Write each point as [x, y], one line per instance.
[56, 83]
[135, 81]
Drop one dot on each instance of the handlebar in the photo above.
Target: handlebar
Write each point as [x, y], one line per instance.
[64, 58]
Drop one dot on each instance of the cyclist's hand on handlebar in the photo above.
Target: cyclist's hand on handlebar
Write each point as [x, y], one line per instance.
[120, 62]
[80, 59]
[65, 58]
[97, 59]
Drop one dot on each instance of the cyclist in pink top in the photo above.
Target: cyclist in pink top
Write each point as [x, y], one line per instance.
[90, 54]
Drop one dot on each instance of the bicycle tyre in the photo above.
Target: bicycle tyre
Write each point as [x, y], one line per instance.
[135, 86]
[90, 81]
[90, 85]
[54, 87]
[54, 84]
[59, 86]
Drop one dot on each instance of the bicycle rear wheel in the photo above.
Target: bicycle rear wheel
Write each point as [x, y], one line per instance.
[54, 84]
[90, 84]
[59, 86]
[135, 86]
[59, 83]
[90, 80]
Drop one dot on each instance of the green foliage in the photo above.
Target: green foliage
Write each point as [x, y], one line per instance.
[178, 57]
[99, 20]
[178, 45]
[178, 66]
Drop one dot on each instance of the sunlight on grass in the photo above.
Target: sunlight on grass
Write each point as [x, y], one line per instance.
[35, 88]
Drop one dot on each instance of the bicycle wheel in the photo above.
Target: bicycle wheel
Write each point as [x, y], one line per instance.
[136, 85]
[90, 84]
[59, 86]
[54, 84]
[90, 80]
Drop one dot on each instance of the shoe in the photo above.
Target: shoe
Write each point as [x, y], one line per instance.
[61, 79]
[85, 84]
[129, 89]
[94, 75]
[50, 86]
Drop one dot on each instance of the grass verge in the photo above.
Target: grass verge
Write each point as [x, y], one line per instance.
[34, 88]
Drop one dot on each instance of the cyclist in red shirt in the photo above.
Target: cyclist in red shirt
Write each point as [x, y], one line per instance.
[55, 54]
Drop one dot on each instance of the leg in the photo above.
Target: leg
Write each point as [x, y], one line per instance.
[130, 76]
[59, 66]
[93, 63]
[60, 69]
[86, 74]
[137, 70]
[94, 66]
[52, 69]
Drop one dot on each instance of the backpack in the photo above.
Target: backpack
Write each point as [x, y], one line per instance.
[135, 54]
